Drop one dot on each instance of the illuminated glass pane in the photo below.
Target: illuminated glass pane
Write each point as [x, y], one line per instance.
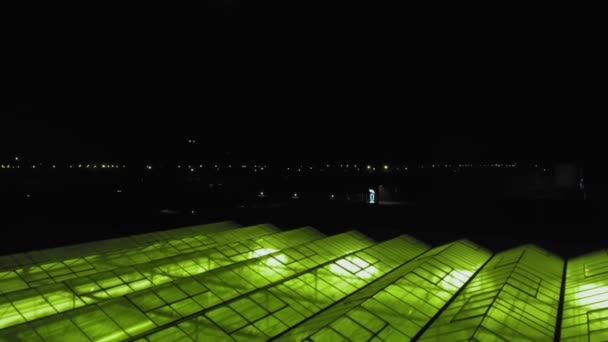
[267, 313]
[224, 283]
[169, 282]
[585, 315]
[10, 281]
[264, 312]
[514, 297]
[97, 250]
[399, 304]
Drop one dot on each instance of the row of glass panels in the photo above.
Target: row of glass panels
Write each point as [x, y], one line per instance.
[34, 275]
[397, 307]
[142, 311]
[514, 297]
[318, 291]
[585, 315]
[26, 305]
[299, 298]
[105, 246]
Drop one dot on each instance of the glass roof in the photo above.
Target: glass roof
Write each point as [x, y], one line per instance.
[224, 282]
[514, 297]
[585, 312]
[399, 305]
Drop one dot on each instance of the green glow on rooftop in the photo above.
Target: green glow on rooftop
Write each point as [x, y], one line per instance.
[224, 282]
[514, 297]
[585, 315]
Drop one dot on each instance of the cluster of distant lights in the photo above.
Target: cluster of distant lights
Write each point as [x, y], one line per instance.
[296, 196]
[192, 168]
[54, 166]
[217, 167]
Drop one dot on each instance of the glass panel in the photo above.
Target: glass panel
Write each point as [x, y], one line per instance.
[515, 296]
[168, 279]
[99, 248]
[399, 304]
[269, 312]
[585, 315]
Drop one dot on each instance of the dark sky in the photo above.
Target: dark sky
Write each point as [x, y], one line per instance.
[288, 82]
[161, 131]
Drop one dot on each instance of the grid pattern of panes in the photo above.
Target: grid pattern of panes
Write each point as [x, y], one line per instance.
[31, 276]
[401, 303]
[31, 304]
[267, 312]
[223, 282]
[49, 272]
[585, 315]
[258, 283]
[37, 258]
[515, 297]
[158, 306]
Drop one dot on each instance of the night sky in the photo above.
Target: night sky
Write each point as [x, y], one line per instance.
[277, 82]
[160, 131]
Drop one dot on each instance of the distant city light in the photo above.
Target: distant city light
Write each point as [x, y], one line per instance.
[295, 195]
[16, 158]
[385, 167]
[332, 196]
[369, 167]
[149, 167]
[119, 191]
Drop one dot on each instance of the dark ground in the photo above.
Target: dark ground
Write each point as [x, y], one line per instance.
[567, 228]
[73, 207]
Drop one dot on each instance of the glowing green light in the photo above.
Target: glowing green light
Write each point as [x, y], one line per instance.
[514, 297]
[277, 260]
[456, 278]
[585, 315]
[591, 295]
[263, 252]
[224, 282]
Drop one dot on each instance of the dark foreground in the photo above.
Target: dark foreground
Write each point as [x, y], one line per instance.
[568, 228]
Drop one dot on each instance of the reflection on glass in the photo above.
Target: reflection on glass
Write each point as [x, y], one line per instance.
[592, 295]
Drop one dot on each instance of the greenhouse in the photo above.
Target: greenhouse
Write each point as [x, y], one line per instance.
[225, 282]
